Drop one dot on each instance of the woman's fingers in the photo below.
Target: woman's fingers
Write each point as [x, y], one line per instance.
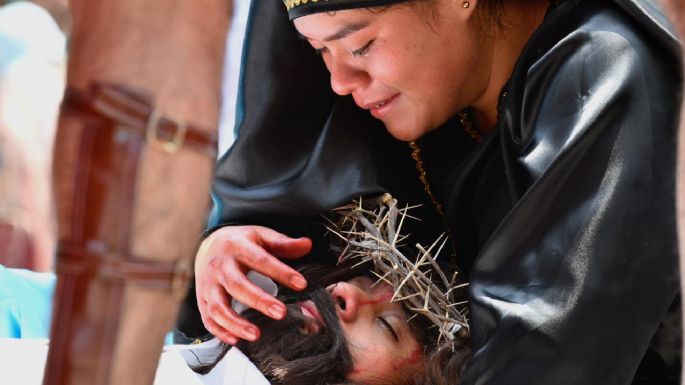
[219, 332]
[257, 258]
[223, 322]
[221, 265]
[211, 325]
[243, 290]
[283, 246]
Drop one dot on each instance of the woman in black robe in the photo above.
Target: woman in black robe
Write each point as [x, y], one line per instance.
[558, 197]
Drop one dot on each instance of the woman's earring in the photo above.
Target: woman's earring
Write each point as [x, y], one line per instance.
[465, 4]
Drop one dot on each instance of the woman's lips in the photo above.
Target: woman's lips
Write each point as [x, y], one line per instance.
[381, 109]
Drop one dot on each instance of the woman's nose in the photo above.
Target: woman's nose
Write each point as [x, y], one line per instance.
[346, 78]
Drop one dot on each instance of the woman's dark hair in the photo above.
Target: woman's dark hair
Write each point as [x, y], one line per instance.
[488, 11]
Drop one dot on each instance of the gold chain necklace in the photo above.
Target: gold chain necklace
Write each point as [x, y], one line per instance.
[476, 136]
[467, 126]
[416, 155]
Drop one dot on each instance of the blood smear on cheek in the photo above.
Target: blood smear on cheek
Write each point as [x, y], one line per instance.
[414, 358]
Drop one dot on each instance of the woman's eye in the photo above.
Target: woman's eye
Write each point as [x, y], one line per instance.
[387, 326]
[363, 51]
[321, 51]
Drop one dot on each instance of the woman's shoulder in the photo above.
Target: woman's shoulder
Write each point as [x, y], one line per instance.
[593, 43]
[598, 29]
[650, 15]
[591, 64]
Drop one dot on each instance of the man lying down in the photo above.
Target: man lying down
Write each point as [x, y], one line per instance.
[348, 327]
[352, 327]
[346, 331]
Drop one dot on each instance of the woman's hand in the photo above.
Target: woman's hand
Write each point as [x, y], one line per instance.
[221, 265]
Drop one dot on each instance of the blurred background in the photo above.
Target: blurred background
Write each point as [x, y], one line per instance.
[34, 41]
[34, 49]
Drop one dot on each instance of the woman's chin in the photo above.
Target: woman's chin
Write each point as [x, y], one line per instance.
[405, 132]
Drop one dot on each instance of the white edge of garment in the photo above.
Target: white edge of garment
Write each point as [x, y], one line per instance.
[22, 361]
[233, 369]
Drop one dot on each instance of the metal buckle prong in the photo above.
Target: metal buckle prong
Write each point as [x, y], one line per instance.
[152, 137]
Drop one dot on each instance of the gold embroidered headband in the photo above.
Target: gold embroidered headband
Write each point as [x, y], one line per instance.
[298, 8]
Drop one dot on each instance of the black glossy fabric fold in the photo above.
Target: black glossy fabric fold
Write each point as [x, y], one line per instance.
[581, 268]
[564, 218]
[301, 151]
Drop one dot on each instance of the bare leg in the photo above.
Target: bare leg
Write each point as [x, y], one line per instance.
[174, 51]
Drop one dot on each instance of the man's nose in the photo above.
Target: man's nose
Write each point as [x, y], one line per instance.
[348, 298]
[351, 300]
[346, 77]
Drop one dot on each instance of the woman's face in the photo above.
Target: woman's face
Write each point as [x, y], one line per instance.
[412, 67]
[379, 337]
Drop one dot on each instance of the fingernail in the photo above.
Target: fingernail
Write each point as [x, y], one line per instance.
[250, 333]
[298, 282]
[276, 311]
[230, 340]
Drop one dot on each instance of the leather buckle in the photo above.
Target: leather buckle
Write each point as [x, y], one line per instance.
[152, 136]
[182, 275]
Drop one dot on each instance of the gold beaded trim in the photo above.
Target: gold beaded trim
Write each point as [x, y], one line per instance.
[465, 121]
[468, 128]
[474, 134]
[290, 4]
[416, 155]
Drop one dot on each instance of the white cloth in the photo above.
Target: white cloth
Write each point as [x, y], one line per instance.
[234, 367]
[22, 362]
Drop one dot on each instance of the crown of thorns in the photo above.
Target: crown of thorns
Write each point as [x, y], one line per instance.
[372, 233]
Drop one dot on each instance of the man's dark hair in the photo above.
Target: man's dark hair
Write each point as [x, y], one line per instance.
[287, 355]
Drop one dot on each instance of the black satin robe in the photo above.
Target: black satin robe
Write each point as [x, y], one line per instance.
[563, 219]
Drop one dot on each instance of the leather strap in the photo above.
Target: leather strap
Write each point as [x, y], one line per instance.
[101, 286]
[134, 112]
[121, 108]
[150, 274]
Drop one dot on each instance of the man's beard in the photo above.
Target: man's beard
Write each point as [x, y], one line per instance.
[286, 354]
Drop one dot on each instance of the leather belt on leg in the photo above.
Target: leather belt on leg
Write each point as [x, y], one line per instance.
[94, 261]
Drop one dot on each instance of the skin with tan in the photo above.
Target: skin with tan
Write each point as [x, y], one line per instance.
[412, 67]
[173, 50]
[377, 331]
[414, 79]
